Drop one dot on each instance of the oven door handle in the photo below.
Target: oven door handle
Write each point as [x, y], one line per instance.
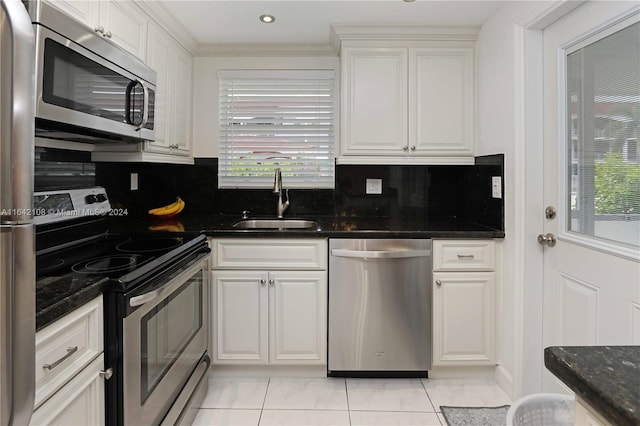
[144, 298]
[154, 294]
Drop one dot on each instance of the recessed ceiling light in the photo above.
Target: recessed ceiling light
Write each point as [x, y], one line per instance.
[267, 19]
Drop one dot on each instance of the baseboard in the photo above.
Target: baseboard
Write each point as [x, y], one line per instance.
[504, 379]
[268, 371]
[475, 372]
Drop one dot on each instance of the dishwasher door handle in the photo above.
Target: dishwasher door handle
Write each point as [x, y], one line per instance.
[380, 254]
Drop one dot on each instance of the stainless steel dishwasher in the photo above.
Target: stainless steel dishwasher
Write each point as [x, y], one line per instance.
[379, 307]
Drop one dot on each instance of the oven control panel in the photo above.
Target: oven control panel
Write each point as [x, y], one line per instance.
[59, 205]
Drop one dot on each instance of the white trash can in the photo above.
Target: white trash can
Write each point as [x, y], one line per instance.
[542, 409]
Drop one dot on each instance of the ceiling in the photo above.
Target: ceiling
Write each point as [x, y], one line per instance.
[308, 21]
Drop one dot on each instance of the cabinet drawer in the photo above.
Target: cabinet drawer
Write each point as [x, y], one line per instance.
[240, 253]
[66, 346]
[464, 255]
[79, 402]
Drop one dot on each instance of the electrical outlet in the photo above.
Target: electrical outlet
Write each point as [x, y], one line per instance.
[496, 187]
[134, 182]
[374, 186]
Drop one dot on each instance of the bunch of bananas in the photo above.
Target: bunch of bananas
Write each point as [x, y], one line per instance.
[169, 210]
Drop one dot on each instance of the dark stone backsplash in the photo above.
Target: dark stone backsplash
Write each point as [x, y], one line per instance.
[409, 192]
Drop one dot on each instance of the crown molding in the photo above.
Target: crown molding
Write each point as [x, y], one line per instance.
[163, 18]
[262, 50]
[341, 33]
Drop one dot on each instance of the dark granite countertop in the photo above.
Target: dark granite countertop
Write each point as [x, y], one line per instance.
[606, 377]
[57, 297]
[328, 226]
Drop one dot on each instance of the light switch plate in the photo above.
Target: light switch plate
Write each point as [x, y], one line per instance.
[374, 186]
[496, 187]
[134, 182]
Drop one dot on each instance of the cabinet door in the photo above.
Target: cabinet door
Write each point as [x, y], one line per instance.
[159, 57]
[85, 11]
[80, 402]
[240, 329]
[463, 318]
[298, 317]
[181, 99]
[441, 101]
[127, 24]
[374, 101]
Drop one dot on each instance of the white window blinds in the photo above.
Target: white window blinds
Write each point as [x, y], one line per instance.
[271, 119]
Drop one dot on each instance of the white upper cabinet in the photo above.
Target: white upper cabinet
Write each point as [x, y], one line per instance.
[441, 100]
[173, 94]
[125, 24]
[120, 21]
[408, 98]
[374, 101]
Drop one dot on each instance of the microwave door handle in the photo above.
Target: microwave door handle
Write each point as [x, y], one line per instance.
[130, 103]
[145, 107]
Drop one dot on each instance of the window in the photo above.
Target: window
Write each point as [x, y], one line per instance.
[276, 119]
[603, 100]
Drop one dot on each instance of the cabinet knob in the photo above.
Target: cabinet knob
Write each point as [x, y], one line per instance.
[272, 282]
[106, 374]
[405, 148]
[263, 281]
[439, 283]
[99, 29]
[108, 34]
[413, 147]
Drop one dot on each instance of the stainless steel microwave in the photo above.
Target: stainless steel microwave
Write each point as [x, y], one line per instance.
[88, 89]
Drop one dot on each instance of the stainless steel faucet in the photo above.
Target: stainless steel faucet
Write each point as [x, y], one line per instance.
[277, 189]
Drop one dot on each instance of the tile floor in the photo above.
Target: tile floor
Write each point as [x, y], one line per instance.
[339, 401]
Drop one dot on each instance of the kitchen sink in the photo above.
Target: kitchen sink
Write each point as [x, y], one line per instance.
[276, 224]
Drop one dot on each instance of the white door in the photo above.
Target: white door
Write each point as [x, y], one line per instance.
[591, 107]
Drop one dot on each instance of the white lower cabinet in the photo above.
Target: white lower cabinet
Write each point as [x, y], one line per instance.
[80, 402]
[464, 294]
[69, 369]
[463, 318]
[276, 316]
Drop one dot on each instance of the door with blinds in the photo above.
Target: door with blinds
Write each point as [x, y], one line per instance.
[591, 237]
[276, 119]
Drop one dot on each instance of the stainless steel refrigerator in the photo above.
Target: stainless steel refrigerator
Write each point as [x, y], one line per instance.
[17, 245]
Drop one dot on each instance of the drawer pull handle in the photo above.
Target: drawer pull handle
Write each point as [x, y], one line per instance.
[439, 283]
[70, 351]
[106, 374]
[465, 256]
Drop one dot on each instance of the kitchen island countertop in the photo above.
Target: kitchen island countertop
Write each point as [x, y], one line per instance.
[606, 377]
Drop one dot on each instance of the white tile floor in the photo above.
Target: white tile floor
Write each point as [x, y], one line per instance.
[338, 401]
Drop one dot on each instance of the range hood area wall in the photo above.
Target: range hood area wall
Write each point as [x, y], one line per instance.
[428, 192]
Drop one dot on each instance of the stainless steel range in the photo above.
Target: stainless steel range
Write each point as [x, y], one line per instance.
[156, 303]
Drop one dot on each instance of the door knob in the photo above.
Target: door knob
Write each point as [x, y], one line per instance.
[547, 239]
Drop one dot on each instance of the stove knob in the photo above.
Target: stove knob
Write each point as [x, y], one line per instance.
[101, 198]
[90, 199]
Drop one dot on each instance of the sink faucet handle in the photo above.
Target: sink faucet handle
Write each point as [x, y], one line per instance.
[245, 214]
[286, 203]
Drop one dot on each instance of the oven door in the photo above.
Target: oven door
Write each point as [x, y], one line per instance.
[164, 339]
[83, 97]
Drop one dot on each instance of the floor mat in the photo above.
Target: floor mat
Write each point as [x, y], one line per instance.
[475, 416]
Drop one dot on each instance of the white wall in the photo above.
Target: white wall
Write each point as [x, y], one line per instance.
[501, 128]
[205, 90]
